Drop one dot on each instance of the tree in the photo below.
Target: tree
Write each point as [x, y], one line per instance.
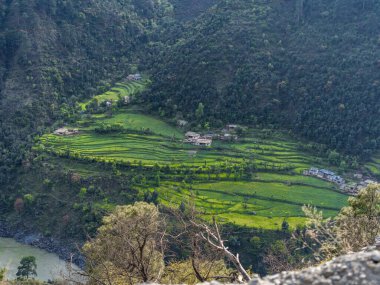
[128, 248]
[360, 219]
[2, 273]
[200, 111]
[181, 272]
[206, 243]
[356, 226]
[27, 268]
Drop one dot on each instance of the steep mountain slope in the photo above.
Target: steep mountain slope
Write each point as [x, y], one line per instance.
[186, 10]
[54, 52]
[310, 66]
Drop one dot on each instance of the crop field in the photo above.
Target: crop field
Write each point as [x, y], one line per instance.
[164, 146]
[258, 203]
[374, 165]
[120, 90]
[273, 188]
[139, 122]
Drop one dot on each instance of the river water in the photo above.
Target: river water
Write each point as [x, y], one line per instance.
[49, 266]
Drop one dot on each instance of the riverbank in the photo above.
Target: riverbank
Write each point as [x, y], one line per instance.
[65, 250]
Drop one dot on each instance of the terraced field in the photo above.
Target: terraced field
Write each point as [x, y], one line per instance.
[374, 165]
[264, 203]
[120, 90]
[164, 146]
[256, 182]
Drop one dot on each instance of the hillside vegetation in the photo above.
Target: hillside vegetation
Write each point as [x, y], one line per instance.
[309, 66]
[254, 182]
[54, 53]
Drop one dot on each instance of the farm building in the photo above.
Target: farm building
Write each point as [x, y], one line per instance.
[192, 135]
[134, 77]
[65, 132]
[127, 99]
[196, 139]
[203, 142]
[324, 174]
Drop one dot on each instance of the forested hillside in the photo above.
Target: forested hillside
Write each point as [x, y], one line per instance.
[310, 66]
[53, 53]
[185, 10]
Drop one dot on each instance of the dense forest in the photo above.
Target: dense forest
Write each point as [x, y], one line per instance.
[53, 53]
[308, 66]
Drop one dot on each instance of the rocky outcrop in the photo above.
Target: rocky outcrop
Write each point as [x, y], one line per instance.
[354, 269]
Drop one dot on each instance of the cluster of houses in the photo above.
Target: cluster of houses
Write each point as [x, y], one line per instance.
[350, 188]
[354, 188]
[66, 132]
[325, 175]
[196, 139]
[226, 134]
[134, 77]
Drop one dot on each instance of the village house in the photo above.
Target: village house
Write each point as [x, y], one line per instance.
[196, 139]
[324, 174]
[209, 136]
[66, 132]
[203, 142]
[127, 99]
[108, 104]
[134, 77]
[192, 136]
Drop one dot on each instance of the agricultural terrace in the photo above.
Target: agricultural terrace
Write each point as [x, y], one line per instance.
[264, 202]
[120, 90]
[256, 181]
[374, 165]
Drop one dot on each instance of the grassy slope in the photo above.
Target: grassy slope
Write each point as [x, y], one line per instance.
[271, 194]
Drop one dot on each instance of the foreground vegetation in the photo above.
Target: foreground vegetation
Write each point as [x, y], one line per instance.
[112, 259]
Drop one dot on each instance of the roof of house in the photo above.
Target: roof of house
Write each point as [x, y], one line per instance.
[192, 134]
[205, 141]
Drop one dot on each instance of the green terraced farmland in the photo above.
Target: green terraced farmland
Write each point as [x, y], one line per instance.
[161, 148]
[137, 121]
[374, 165]
[120, 90]
[258, 204]
[255, 182]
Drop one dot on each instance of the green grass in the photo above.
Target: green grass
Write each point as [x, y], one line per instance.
[137, 121]
[272, 202]
[120, 90]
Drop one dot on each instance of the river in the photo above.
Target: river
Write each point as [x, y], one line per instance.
[49, 265]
